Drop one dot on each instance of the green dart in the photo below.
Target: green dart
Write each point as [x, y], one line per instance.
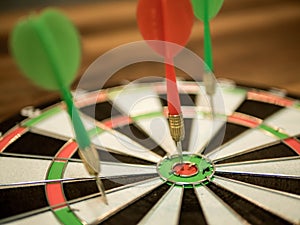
[46, 48]
[205, 10]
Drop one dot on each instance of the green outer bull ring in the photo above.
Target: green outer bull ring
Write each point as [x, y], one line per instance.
[204, 175]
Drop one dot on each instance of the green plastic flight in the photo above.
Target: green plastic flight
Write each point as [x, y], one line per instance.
[206, 8]
[47, 49]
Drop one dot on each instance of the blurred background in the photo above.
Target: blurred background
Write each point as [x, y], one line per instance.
[255, 43]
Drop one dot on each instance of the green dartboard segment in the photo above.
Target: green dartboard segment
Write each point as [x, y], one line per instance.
[66, 216]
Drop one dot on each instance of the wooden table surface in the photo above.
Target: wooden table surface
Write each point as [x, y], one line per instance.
[255, 42]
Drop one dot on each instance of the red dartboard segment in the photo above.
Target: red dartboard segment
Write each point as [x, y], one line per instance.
[293, 143]
[55, 196]
[11, 137]
[270, 98]
[244, 120]
[90, 99]
[190, 88]
[54, 190]
[117, 121]
[67, 150]
[187, 112]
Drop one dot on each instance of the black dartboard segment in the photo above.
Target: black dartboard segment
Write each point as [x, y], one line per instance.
[11, 122]
[185, 99]
[79, 189]
[289, 185]
[251, 107]
[100, 111]
[252, 160]
[19, 200]
[222, 137]
[191, 212]
[35, 144]
[187, 130]
[140, 137]
[139, 208]
[273, 151]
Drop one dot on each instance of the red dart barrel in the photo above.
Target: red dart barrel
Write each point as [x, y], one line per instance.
[170, 21]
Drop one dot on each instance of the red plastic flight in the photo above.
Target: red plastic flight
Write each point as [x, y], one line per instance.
[170, 21]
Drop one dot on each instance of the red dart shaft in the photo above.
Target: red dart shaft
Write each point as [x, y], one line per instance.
[174, 105]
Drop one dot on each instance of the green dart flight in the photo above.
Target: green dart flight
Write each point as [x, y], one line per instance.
[47, 49]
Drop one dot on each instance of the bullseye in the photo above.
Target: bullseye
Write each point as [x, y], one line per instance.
[185, 169]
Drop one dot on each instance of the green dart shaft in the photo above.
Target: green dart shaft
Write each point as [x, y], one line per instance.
[208, 58]
[81, 134]
[205, 10]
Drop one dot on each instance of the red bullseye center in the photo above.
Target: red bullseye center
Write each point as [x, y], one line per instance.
[185, 169]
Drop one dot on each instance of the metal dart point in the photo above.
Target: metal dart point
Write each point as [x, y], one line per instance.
[91, 161]
[210, 88]
[177, 131]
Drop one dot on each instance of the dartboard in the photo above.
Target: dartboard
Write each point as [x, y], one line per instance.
[239, 166]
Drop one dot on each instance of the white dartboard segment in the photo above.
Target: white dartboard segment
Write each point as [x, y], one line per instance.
[133, 100]
[117, 142]
[157, 128]
[233, 98]
[287, 120]
[289, 167]
[246, 141]
[15, 170]
[166, 210]
[59, 125]
[228, 100]
[202, 132]
[48, 218]
[108, 169]
[205, 126]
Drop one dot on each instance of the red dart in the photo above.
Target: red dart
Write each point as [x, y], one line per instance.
[170, 21]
